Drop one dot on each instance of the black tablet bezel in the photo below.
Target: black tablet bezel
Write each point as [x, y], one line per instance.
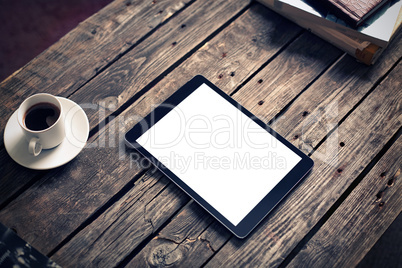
[259, 212]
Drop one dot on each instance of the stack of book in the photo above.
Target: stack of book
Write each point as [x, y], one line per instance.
[362, 28]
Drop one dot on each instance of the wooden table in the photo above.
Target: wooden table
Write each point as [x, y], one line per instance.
[102, 209]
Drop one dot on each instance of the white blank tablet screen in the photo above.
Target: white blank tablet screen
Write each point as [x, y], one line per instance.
[220, 153]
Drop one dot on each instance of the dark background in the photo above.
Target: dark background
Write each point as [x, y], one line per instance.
[27, 27]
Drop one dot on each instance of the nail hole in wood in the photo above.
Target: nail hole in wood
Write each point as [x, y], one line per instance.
[224, 54]
[128, 4]
[160, 12]
[260, 81]
[261, 102]
[232, 74]
[381, 204]
[390, 182]
[220, 76]
[183, 25]
[305, 113]
[342, 144]
[93, 31]
[295, 137]
[154, 2]
[174, 43]
[339, 170]
[382, 175]
[379, 195]
[254, 40]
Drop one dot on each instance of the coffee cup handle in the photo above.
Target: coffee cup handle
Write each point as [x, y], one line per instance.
[34, 146]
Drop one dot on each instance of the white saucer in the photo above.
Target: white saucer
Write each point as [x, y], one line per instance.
[77, 131]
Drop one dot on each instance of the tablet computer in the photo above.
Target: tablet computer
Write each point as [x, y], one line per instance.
[220, 154]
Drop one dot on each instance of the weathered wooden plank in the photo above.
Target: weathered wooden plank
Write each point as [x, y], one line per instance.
[134, 218]
[185, 242]
[364, 133]
[252, 17]
[82, 53]
[299, 80]
[208, 55]
[118, 83]
[50, 183]
[103, 168]
[187, 249]
[361, 219]
[342, 87]
[349, 78]
[154, 56]
[69, 63]
[13, 177]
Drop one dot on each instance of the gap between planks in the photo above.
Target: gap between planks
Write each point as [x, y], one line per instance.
[378, 91]
[377, 83]
[356, 105]
[81, 28]
[140, 40]
[155, 81]
[140, 247]
[137, 95]
[341, 199]
[65, 65]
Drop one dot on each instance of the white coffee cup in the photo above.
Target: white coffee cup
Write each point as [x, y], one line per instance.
[42, 121]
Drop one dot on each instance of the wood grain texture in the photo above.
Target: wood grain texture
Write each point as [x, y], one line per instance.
[299, 79]
[332, 96]
[69, 63]
[108, 91]
[160, 92]
[192, 237]
[169, 44]
[105, 205]
[103, 168]
[82, 53]
[185, 246]
[73, 192]
[164, 87]
[14, 177]
[361, 219]
[283, 79]
[365, 132]
[347, 81]
[129, 221]
[190, 17]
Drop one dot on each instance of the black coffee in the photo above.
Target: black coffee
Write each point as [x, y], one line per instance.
[41, 116]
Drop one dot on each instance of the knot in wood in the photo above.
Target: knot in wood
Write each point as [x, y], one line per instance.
[166, 254]
[110, 102]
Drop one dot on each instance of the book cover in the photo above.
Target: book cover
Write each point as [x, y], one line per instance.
[354, 12]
